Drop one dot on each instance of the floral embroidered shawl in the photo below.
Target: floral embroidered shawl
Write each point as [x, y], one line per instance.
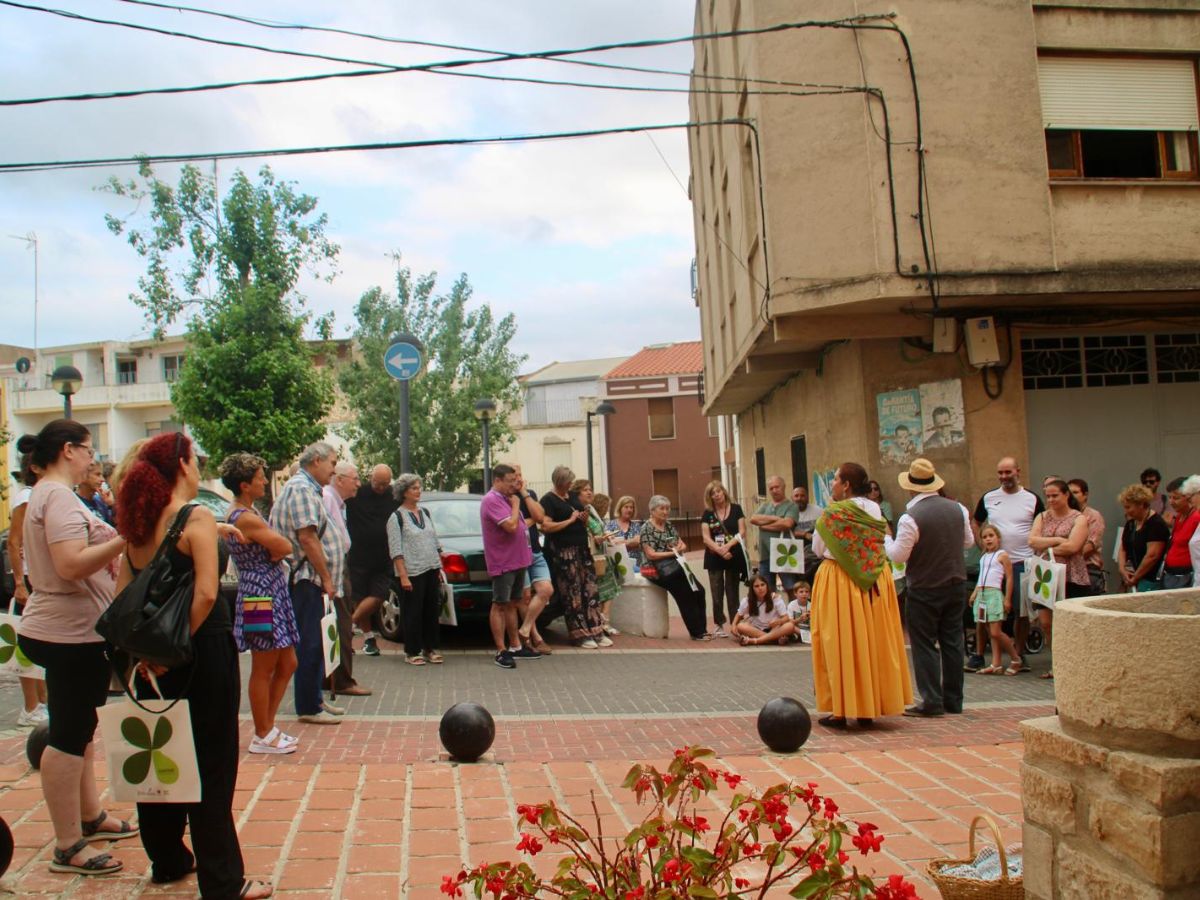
[855, 539]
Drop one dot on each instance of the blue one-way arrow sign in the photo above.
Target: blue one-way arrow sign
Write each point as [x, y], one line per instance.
[402, 360]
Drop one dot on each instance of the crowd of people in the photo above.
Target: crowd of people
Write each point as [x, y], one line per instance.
[333, 544]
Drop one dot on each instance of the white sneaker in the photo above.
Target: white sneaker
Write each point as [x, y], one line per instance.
[32, 718]
[264, 745]
[321, 718]
[589, 644]
[608, 629]
[332, 709]
[604, 641]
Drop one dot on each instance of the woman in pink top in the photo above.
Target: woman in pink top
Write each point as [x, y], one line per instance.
[71, 556]
[1063, 531]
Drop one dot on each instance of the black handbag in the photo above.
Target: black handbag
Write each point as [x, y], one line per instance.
[151, 618]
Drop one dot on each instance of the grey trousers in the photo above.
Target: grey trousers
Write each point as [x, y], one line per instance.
[935, 628]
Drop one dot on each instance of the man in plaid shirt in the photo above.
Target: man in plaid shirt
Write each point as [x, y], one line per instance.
[318, 557]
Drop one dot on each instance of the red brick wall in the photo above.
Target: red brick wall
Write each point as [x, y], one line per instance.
[633, 457]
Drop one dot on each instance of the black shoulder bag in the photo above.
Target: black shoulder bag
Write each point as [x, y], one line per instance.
[151, 618]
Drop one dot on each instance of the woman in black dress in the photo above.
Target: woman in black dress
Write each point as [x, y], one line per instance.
[162, 484]
[569, 553]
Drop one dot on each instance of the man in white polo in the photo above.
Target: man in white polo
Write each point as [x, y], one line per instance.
[1012, 509]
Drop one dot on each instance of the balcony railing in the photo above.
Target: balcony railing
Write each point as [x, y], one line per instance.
[93, 396]
[552, 412]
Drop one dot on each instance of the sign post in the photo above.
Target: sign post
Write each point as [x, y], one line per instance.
[403, 360]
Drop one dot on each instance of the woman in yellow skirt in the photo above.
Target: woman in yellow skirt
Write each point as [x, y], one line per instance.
[860, 669]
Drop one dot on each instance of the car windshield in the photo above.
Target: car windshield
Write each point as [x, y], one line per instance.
[214, 501]
[455, 518]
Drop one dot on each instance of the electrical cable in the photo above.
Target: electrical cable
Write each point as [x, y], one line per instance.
[58, 165]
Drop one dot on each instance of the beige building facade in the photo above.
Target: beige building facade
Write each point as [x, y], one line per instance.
[965, 230]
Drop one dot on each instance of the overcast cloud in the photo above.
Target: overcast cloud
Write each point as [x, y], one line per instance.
[587, 242]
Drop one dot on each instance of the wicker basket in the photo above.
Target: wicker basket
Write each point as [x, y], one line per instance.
[954, 887]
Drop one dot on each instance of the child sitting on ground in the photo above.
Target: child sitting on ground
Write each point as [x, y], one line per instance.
[798, 610]
[992, 600]
[762, 617]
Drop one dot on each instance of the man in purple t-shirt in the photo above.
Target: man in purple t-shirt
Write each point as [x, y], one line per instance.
[506, 549]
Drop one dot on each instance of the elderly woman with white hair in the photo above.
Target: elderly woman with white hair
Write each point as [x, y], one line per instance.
[661, 544]
[1179, 560]
[570, 558]
[416, 555]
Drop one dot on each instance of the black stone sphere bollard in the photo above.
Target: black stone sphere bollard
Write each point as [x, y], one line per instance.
[784, 724]
[467, 731]
[36, 743]
[6, 846]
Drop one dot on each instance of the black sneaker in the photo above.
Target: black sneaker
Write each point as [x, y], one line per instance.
[974, 663]
[526, 653]
[370, 647]
[504, 659]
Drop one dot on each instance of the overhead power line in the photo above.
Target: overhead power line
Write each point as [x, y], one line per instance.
[386, 68]
[56, 165]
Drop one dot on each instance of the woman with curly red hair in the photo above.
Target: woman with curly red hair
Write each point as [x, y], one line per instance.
[160, 486]
[71, 559]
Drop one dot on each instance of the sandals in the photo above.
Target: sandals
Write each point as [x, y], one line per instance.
[434, 657]
[100, 864]
[990, 670]
[415, 660]
[1048, 675]
[248, 886]
[91, 830]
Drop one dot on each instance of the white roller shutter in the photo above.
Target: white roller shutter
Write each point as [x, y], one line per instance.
[1118, 94]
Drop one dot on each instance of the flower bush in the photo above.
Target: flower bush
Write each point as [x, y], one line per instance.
[677, 852]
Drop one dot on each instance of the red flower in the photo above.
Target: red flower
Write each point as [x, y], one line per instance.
[830, 808]
[450, 885]
[867, 840]
[529, 844]
[671, 871]
[652, 841]
[816, 861]
[842, 856]
[895, 889]
[741, 883]
[636, 894]
[531, 813]
[732, 780]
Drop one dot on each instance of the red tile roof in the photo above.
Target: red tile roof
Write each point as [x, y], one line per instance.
[684, 358]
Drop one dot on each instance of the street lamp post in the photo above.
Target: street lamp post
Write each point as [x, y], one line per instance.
[603, 408]
[485, 410]
[66, 380]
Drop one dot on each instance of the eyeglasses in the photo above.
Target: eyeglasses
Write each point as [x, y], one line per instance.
[1149, 481]
[91, 450]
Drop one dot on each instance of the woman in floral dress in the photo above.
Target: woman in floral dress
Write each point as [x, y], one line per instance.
[270, 638]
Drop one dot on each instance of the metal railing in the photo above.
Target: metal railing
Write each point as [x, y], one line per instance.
[552, 412]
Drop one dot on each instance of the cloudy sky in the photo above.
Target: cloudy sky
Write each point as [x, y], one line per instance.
[588, 242]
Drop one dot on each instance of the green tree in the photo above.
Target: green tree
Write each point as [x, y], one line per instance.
[232, 266]
[468, 356]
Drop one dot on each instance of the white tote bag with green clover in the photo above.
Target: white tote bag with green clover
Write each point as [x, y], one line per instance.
[620, 564]
[11, 656]
[331, 643]
[150, 750]
[787, 555]
[1045, 581]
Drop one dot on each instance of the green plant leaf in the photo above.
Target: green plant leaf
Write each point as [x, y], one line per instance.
[165, 768]
[136, 767]
[701, 890]
[809, 887]
[135, 731]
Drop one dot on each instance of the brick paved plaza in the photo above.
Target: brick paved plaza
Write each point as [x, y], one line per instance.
[371, 808]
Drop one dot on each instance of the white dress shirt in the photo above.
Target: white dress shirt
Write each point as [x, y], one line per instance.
[900, 547]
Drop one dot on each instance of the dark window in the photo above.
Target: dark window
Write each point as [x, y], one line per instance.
[127, 371]
[799, 462]
[1119, 154]
[1177, 358]
[760, 471]
[662, 418]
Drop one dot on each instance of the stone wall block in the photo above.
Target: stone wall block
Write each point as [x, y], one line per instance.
[1170, 785]
[1049, 800]
[1037, 858]
[1082, 877]
[1045, 738]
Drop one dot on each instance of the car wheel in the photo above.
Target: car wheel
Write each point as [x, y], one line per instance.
[388, 618]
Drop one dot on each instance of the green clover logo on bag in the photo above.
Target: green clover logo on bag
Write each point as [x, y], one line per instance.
[1041, 581]
[619, 561]
[10, 649]
[137, 767]
[335, 648]
[787, 555]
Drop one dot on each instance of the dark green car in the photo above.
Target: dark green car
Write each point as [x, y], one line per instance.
[456, 518]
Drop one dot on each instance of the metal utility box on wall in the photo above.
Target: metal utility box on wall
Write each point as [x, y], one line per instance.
[945, 335]
[982, 348]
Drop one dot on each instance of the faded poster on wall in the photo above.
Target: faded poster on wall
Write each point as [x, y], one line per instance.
[942, 414]
[900, 426]
[822, 488]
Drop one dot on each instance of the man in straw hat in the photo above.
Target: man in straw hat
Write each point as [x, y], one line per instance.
[930, 538]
